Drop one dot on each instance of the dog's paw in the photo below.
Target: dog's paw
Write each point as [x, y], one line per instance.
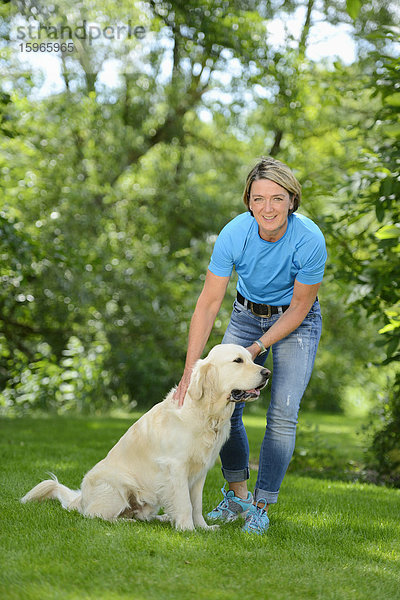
[211, 527]
[163, 518]
[184, 526]
[200, 523]
[206, 526]
[125, 519]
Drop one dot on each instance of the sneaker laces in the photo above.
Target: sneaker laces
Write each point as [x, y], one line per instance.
[255, 518]
[225, 502]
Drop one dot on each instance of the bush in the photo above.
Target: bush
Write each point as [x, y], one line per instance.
[385, 446]
[78, 381]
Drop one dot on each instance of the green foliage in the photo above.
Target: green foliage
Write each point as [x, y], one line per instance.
[345, 355]
[328, 446]
[19, 267]
[114, 192]
[384, 455]
[353, 8]
[367, 246]
[78, 382]
[317, 456]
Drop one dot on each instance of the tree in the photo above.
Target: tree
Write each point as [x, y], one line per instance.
[101, 183]
[368, 242]
[120, 190]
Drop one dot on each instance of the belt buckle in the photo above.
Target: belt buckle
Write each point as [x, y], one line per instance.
[267, 316]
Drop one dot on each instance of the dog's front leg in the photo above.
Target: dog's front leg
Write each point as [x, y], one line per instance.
[196, 497]
[178, 505]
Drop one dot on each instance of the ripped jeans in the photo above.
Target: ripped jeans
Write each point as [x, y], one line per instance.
[293, 361]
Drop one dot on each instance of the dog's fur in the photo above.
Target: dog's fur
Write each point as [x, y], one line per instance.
[163, 459]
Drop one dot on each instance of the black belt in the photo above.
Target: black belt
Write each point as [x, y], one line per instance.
[261, 310]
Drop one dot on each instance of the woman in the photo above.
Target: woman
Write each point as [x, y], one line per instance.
[279, 257]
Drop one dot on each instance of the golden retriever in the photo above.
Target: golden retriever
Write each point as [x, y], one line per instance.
[163, 459]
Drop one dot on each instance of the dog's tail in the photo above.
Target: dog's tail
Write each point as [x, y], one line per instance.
[51, 488]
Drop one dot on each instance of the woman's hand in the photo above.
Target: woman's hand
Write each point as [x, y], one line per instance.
[254, 350]
[182, 388]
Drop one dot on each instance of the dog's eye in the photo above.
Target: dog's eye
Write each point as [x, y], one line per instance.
[238, 360]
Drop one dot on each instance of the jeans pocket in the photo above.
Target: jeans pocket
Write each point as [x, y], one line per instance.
[237, 307]
[315, 311]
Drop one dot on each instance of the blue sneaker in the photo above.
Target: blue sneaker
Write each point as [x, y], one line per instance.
[231, 507]
[257, 519]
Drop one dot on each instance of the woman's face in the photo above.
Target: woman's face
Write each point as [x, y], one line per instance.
[270, 204]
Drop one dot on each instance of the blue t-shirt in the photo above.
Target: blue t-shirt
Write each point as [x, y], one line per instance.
[267, 270]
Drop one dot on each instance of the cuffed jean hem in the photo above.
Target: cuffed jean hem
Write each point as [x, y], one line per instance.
[234, 476]
[270, 497]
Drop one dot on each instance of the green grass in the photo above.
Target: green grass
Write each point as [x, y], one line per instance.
[328, 539]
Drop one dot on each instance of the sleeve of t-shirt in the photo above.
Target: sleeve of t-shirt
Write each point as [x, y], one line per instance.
[222, 262]
[312, 257]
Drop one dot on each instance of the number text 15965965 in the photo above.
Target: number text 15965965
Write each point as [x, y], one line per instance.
[46, 47]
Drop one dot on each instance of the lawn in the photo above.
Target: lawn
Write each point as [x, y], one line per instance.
[328, 539]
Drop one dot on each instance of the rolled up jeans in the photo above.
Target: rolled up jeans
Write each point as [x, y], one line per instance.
[293, 361]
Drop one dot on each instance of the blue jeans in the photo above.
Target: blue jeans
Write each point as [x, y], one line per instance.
[293, 361]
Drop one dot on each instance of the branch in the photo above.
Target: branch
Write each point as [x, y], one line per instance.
[28, 329]
[64, 73]
[16, 342]
[165, 132]
[306, 28]
[277, 142]
[175, 34]
[160, 16]
[84, 61]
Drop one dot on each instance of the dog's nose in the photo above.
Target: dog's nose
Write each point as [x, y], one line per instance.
[265, 373]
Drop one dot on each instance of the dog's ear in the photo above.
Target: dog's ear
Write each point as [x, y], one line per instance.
[203, 380]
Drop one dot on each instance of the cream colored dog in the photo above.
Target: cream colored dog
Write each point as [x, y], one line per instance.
[163, 459]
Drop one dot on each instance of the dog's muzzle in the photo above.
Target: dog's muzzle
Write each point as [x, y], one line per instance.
[243, 395]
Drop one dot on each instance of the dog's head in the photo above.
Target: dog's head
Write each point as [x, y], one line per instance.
[228, 373]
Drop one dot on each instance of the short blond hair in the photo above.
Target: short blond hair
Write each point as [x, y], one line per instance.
[274, 170]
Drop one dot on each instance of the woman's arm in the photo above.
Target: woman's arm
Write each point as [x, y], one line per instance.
[302, 300]
[203, 318]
